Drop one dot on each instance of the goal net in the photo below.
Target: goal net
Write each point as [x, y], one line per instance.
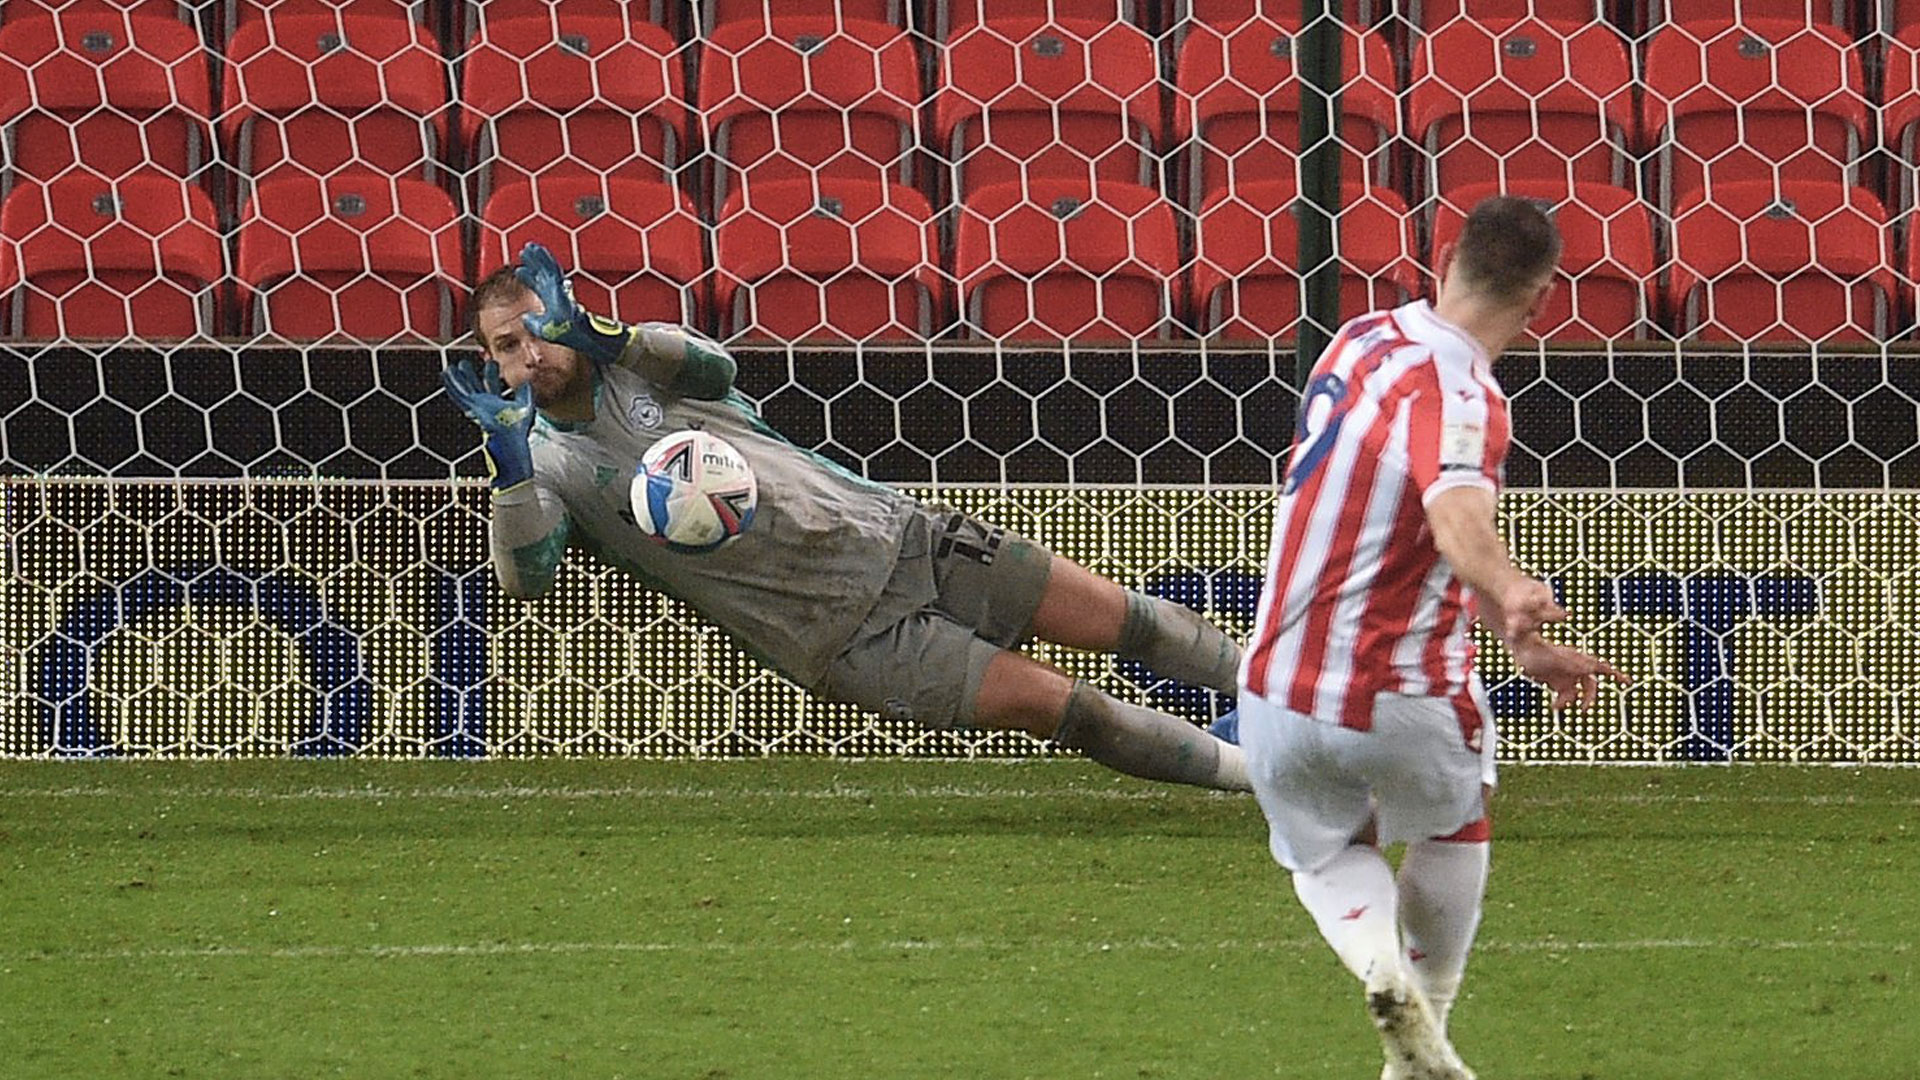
[1036, 260]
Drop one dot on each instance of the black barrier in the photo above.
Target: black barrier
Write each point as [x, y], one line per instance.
[1655, 419]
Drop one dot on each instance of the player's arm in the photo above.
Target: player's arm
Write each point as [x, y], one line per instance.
[527, 536]
[527, 532]
[666, 355]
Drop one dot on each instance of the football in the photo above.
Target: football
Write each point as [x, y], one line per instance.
[693, 492]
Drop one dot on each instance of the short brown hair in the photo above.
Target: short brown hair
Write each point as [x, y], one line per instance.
[1506, 247]
[499, 287]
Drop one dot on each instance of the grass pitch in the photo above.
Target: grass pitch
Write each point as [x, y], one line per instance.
[800, 919]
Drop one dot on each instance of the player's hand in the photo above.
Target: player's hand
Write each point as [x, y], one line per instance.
[1573, 676]
[562, 321]
[506, 416]
[1521, 607]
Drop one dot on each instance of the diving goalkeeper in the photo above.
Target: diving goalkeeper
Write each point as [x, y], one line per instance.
[855, 591]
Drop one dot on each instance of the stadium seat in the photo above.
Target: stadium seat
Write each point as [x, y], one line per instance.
[243, 12]
[1066, 260]
[360, 256]
[140, 256]
[1238, 106]
[839, 260]
[1900, 89]
[562, 11]
[717, 13]
[637, 248]
[954, 16]
[1246, 276]
[1767, 99]
[115, 92]
[1608, 273]
[1804, 261]
[575, 93]
[12, 10]
[1500, 100]
[1073, 100]
[809, 96]
[1656, 13]
[1431, 15]
[313, 94]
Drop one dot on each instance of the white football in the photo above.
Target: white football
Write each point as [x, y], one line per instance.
[693, 492]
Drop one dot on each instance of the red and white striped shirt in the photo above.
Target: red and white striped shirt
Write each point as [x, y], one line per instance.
[1401, 407]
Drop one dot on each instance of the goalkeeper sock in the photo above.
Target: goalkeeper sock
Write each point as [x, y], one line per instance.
[1148, 744]
[1352, 900]
[1176, 642]
[1442, 885]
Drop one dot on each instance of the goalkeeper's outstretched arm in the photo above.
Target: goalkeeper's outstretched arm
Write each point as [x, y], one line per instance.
[677, 358]
[527, 536]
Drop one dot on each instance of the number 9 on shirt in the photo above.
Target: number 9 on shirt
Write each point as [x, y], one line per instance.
[693, 492]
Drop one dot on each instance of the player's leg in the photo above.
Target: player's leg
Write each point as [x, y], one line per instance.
[1017, 692]
[1082, 610]
[1312, 781]
[1443, 885]
[941, 674]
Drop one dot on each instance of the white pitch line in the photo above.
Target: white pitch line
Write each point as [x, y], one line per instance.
[457, 950]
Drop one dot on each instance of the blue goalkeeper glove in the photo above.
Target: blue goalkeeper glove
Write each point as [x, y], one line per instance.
[595, 337]
[505, 415]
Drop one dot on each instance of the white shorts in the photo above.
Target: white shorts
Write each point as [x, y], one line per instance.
[1320, 783]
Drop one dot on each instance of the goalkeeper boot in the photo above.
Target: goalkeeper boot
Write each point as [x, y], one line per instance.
[1227, 728]
[1415, 1047]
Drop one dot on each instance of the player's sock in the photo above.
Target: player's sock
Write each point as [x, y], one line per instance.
[1352, 900]
[1442, 884]
[1148, 744]
[1176, 642]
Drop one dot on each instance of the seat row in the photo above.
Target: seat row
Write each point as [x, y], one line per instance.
[373, 258]
[940, 18]
[107, 92]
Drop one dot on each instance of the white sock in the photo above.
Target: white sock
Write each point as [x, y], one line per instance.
[1353, 899]
[1442, 884]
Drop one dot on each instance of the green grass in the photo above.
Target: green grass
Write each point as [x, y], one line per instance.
[798, 919]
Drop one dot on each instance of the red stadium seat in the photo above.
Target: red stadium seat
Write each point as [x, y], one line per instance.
[809, 96]
[584, 93]
[1246, 276]
[637, 249]
[1054, 260]
[1499, 100]
[1656, 13]
[840, 260]
[139, 257]
[1764, 100]
[1806, 261]
[1901, 118]
[14, 10]
[1608, 273]
[358, 255]
[953, 16]
[1437, 14]
[243, 12]
[115, 92]
[314, 94]
[1071, 99]
[1239, 104]
[560, 12]
[717, 13]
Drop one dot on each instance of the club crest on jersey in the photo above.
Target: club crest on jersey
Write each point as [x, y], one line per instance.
[603, 475]
[645, 412]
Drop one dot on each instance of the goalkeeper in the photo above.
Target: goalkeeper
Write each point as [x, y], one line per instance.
[853, 590]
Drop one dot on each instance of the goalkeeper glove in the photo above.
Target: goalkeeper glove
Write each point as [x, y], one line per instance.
[595, 337]
[505, 415]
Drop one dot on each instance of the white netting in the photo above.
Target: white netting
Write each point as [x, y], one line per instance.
[1049, 242]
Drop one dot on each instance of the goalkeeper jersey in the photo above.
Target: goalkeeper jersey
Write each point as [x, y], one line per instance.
[792, 589]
